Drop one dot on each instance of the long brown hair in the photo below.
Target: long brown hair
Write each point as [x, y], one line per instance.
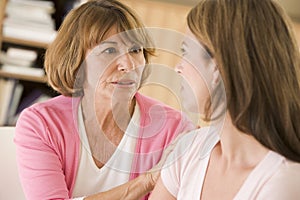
[82, 29]
[254, 47]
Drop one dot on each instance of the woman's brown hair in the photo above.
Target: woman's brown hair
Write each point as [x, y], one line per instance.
[82, 29]
[254, 47]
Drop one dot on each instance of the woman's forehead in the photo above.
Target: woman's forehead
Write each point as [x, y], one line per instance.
[118, 39]
[113, 31]
[114, 36]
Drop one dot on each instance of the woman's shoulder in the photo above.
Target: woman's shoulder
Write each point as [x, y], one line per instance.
[53, 115]
[191, 151]
[53, 105]
[149, 104]
[58, 108]
[284, 184]
[196, 144]
[289, 172]
[158, 112]
[55, 102]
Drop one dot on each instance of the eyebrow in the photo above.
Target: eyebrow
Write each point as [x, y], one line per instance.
[108, 42]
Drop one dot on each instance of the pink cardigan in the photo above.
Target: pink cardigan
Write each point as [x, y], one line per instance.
[47, 143]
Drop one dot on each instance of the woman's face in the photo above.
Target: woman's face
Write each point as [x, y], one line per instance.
[196, 68]
[114, 67]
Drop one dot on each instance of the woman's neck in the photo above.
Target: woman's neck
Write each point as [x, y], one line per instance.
[110, 119]
[106, 110]
[238, 148]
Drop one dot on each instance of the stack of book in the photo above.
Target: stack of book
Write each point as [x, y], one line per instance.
[30, 20]
[20, 61]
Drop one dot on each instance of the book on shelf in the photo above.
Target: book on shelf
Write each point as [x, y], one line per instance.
[10, 96]
[44, 4]
[40, 11]
[30, 20]
[27, 71]
[15, 100]
[20, 61]
[29, 34]
[24, 54]
[15, 22]
[19, 57]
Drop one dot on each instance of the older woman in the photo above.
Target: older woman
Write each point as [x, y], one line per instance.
[251, 150]
[100, 136]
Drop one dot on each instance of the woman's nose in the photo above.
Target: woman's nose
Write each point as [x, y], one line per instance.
[125, 63]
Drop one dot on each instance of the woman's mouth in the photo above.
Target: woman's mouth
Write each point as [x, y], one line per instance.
[123, 83]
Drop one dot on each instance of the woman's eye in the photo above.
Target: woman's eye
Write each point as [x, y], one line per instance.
[110, 50]
[183, 51]
[136, 49]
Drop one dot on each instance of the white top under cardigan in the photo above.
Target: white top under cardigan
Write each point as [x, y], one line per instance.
[90, 179]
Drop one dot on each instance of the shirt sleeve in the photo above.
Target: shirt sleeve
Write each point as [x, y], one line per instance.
[174, 165]
[39, 162]
[170, 179]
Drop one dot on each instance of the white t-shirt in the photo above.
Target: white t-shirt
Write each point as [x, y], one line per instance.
[90, 179]
[274, 177]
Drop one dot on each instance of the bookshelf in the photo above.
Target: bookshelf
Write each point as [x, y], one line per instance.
[2, 11]
[22, 86]
[24, 42]
[8, 42]
[23, 77]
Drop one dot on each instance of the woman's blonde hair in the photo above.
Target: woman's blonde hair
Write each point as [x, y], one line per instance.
[254, 47]
[82, 29]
